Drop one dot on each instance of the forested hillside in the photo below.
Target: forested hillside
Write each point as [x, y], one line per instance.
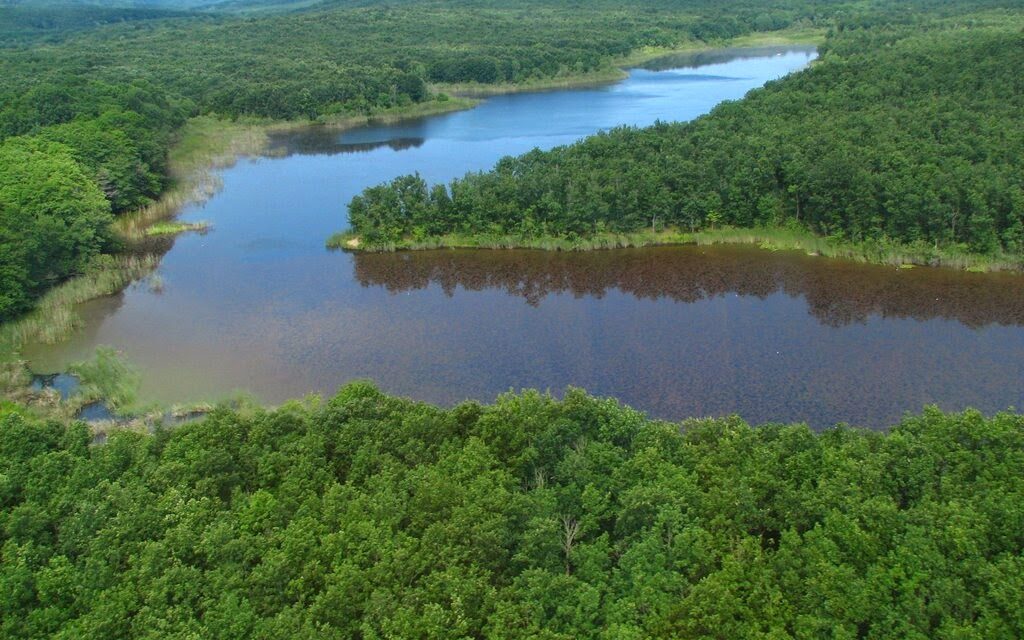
[373, 517]
[335, 58]
[912, 134]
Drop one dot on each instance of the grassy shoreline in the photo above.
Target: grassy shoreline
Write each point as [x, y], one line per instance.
[204, 145]
[768, 238]
[794, 37]
[590, 79]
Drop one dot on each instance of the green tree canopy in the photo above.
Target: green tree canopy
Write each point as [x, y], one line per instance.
[53, 218]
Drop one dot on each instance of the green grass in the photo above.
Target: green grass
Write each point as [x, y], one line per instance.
[174, 227]
[767, 238]
[107, 377]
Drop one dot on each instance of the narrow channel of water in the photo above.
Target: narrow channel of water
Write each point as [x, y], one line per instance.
[259, 304]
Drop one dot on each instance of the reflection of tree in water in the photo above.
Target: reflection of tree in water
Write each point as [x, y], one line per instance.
[691, 59]
[317, 141]
[836, 292]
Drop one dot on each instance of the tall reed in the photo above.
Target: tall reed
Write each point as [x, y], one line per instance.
[54, 317]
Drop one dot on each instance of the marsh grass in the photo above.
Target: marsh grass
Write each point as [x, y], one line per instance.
[796, 35]
[598, 77]
[350, 241]
[884, 252]
[14, 375]
[205, 144]
[767, 238]
[615, 70]
[54, 317]
[442, 103]
[108, 377]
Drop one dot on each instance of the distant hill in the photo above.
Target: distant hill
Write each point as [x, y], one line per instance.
[95, 8]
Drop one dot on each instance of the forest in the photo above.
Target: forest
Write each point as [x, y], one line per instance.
[369, 516]
[900, 133]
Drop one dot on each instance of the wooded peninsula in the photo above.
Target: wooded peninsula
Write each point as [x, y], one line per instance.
[902, 143]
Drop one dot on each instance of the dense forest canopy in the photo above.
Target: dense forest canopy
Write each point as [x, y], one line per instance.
[374, 517]
[905, 133]
[331, 59]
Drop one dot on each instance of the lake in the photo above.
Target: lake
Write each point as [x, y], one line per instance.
[259, 304]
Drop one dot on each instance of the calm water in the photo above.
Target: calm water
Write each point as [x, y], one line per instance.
[259, 304]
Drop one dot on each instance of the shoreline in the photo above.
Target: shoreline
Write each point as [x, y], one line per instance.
[618, 67]
[205, 144]
[771, 239]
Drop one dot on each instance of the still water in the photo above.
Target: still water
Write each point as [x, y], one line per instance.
[258, 303]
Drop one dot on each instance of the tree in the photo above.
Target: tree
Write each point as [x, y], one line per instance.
[53, 219]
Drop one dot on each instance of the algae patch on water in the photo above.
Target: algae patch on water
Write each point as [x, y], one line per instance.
[174, 227]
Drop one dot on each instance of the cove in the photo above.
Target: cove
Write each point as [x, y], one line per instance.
[258, 304]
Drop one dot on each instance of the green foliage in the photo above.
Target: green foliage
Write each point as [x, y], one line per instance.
[21, 24]
[105, 147]
[371, 516]
[899, 134]
[53, 219]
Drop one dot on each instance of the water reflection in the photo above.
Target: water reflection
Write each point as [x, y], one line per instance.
[692, 59]
[318, 141]
[837, 293]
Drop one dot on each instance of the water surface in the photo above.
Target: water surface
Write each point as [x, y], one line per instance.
[259, 304]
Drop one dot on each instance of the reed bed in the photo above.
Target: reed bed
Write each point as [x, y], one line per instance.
[54, 317]
[875, 251]
[352, 241]
[205, 145]
[768, 238]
